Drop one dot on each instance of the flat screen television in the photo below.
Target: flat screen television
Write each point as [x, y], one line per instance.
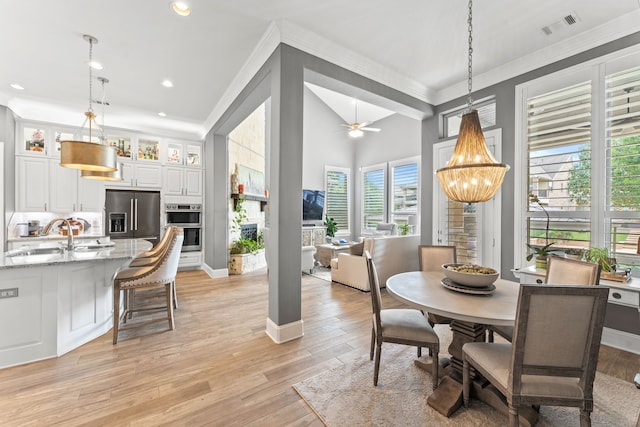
[312, 207]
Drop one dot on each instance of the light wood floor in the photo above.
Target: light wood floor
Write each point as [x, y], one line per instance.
[217, 368]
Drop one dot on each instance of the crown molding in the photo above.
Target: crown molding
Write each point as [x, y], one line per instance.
[337, 54]
[605, 33]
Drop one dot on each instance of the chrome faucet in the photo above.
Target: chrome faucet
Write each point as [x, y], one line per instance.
[47, 228]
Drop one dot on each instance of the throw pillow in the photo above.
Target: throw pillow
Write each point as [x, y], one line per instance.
[357, 249]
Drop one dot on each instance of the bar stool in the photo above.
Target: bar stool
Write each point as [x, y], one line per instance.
[154, 255]
[161, 274]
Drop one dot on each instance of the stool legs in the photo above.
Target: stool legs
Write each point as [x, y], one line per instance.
[116, 311]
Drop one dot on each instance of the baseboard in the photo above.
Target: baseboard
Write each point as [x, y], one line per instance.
[283, 333]
[215, 274]
[621, 340]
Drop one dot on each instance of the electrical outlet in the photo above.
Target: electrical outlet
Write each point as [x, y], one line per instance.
[9, 293]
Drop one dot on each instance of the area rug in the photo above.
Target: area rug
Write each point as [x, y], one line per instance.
[345, 396]
[322, 272]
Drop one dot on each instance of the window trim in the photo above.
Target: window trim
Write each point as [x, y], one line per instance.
[347, 172]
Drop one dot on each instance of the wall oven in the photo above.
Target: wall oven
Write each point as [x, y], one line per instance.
[189, 218]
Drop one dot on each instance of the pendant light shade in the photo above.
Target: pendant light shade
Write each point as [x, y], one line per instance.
[473, 174]
[84, 155]
[115, 175]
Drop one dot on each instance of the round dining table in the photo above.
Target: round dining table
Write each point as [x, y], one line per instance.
[470, 312]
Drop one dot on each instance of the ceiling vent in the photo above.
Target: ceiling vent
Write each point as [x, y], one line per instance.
[566, 21]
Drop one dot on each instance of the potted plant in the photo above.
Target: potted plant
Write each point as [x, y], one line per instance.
[245, 254]
[403, 229]
[541, 253]
[332, 227]
[600, 256]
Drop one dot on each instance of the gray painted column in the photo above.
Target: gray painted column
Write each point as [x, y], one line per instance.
[285, 207]
[216, 202]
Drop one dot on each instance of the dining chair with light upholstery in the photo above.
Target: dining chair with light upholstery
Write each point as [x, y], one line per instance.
[552, 360]
[162, 274]
[431, 258]
[406, 326]
[560, 271]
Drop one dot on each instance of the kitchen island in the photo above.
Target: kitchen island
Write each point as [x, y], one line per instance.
[53, 300]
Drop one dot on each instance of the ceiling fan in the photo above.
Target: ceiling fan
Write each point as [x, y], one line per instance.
[356, 129]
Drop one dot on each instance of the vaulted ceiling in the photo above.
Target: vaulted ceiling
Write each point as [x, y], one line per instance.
[416, 46]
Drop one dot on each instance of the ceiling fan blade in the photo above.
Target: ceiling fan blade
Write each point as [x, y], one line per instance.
[371, 129]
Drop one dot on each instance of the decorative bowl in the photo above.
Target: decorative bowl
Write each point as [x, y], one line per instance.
[470, 274]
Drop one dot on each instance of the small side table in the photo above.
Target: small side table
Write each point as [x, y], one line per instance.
[326, 252]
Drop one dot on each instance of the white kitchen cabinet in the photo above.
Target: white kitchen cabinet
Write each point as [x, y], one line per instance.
[43, 185]
[63, 188]
[184, 154]
[139, 175]
[32, 189]
[181, 181]
[190, 259]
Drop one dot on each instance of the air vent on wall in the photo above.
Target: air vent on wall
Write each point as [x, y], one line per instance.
[566, 21]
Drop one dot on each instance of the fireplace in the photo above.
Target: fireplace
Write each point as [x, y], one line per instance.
[249, 231]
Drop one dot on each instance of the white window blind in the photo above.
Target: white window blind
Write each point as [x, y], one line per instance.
[405, 179]
[337, 197]
[559, 167]
[486, 114]
[373, 196]
[623, 164]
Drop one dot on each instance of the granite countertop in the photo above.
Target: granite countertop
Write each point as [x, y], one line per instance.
[53, 237]
[115, 249]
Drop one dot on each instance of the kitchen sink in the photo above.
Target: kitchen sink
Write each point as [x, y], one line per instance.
[36, 251]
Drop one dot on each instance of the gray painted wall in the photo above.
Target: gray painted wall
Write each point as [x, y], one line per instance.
[505, 119]
[325, 141]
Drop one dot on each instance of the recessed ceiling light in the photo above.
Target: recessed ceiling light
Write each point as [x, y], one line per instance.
[167, 83]
[16, 86]
[95, 65]
[181, 8]
[162, 114]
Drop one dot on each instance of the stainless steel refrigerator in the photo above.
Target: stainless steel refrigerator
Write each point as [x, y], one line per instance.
[133, 214]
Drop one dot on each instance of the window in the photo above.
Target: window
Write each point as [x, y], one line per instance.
[582, 154]
[337, 182]
[394, 197]
[405, 179]
[374, 195]
[486, 112]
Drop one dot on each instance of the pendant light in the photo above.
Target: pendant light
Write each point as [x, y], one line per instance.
[88, 155]
[472, 174]
[98, 175]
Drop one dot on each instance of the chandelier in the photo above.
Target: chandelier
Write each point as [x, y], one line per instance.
[116, 175]
[472, 174]
[88, 155]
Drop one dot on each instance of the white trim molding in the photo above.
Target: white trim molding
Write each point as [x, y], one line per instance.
[284, 333]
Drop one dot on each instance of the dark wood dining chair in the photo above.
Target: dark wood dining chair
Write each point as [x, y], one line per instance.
[560, 271]
[406, 326]
[431, 258]
[552, 360]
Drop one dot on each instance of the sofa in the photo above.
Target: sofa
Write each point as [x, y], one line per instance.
[390, 254]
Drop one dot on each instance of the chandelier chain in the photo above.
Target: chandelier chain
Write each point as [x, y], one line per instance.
[90, 72]
[469, 81]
